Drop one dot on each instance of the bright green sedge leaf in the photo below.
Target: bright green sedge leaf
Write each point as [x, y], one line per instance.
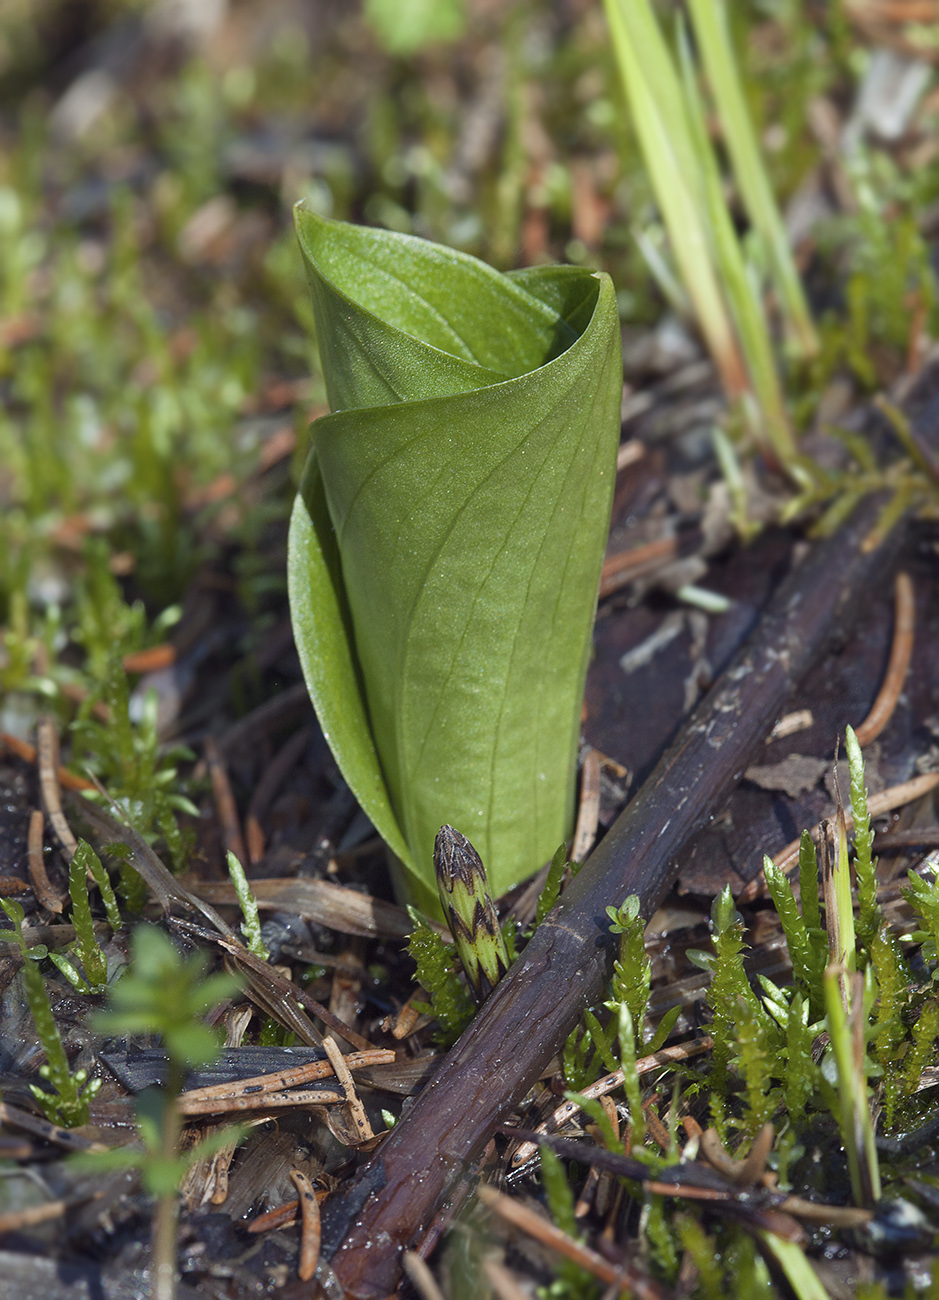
[447, 540]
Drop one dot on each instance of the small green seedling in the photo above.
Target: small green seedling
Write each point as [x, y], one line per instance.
[68, 1104]
[447, 540]
[251, 926]
[87, 949]
[611, 1044]
[164, 994]
[451, 1003]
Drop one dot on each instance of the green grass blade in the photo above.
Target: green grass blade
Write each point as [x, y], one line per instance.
[841, 932]
[105, 889]
[747, 310]
[799, 1273]
[710, 25]
[847, 1045]
[655, 98]
[89, 950]
[808, 883]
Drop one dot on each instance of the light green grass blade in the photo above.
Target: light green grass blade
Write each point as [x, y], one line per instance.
[746, 308]
[710, 25]
[659, 112]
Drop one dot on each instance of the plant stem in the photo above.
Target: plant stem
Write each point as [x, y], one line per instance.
[166, 1213]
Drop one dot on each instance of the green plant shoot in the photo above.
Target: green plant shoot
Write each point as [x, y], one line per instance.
[447, 540]
[251, 926]
[68, 1102]
[87, 948]
[470, 912]
[451, 1003]
[163, 993]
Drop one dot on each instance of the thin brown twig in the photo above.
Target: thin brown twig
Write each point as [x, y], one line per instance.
[47, 751]
[901, 652]
[693, 1129]
[834, 1216]
[151, 660]
[588, 812]
[262, 1101]
[790, 724]
[346, 986]
[18, 1149]
[594, 1174]
[224, 802]
[611, 765]
[890, 36]
[502, 1281]
[356, 1110]
[46, 895]
[281, 1216]
[622, 568]
[408, 1017]
[753, 1166]
[275, 712]
[893, 842]
[420, 1276]
[743, 1173]
[15, 1220]
[897, 11]
[281, 1079]
[918, 338]
[310, 1234]
[541, 1229]
[629, 453]
[30, 1123]
[275, 772]
[287, 988]
[657, 1130]
[334, 906]
[219, 1171]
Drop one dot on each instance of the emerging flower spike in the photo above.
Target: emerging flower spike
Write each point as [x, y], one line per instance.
[447, 539]
[469, 911]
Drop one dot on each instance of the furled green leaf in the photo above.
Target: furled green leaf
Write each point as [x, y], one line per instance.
[447, 540]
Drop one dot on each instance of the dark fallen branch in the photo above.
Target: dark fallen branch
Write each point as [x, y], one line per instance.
[567, 964]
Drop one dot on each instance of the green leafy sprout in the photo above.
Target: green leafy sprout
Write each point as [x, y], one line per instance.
[447, 540]
[88, 950]
[251, 925]
[165, 994]
[451, 1003]
[67, 1098]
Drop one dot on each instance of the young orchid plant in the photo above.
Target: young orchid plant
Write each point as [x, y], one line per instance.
[447, 539]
